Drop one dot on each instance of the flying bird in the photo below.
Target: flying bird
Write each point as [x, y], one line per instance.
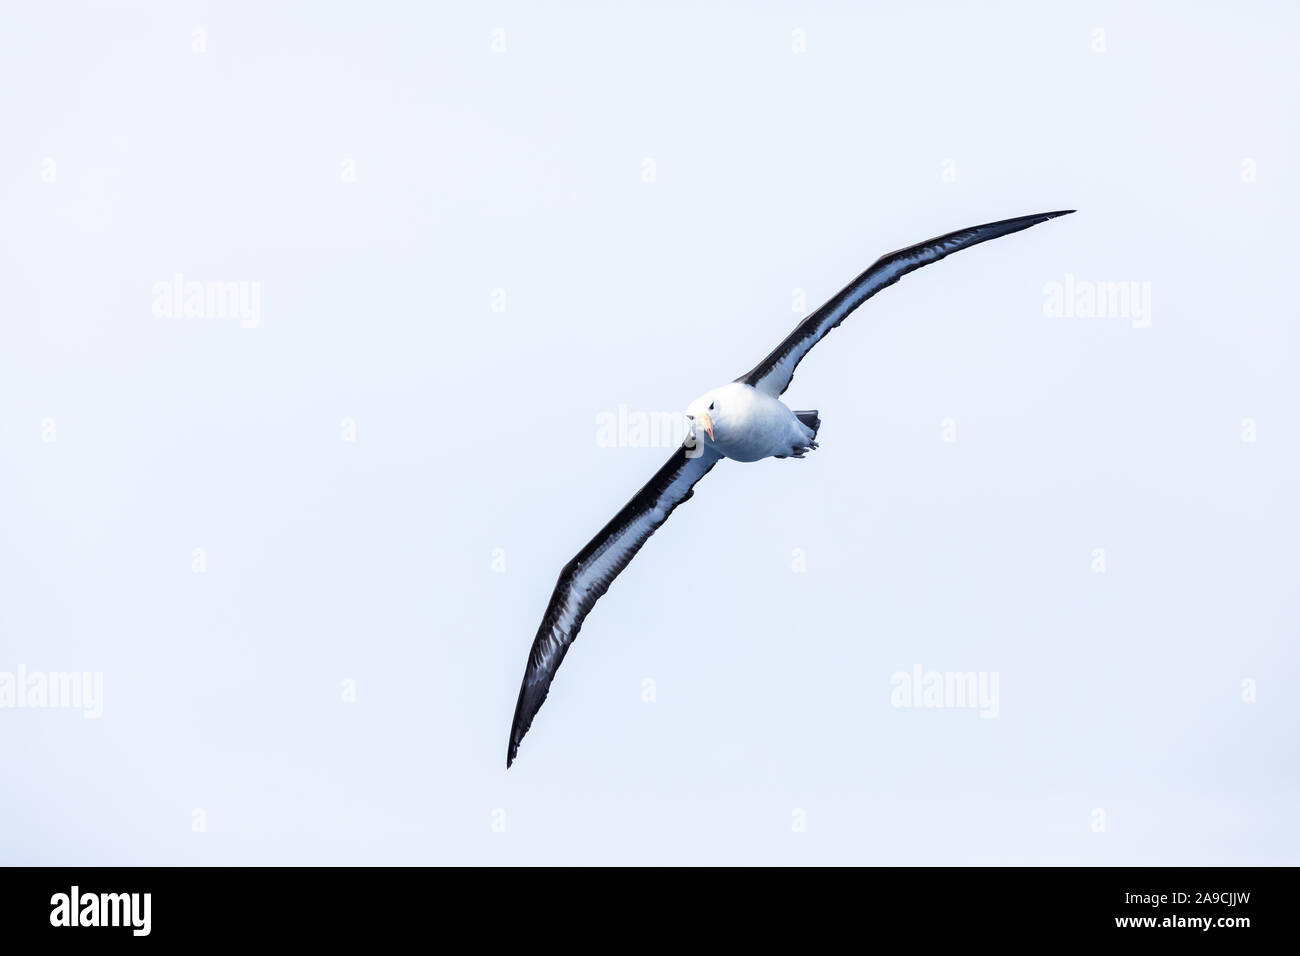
[744, 420]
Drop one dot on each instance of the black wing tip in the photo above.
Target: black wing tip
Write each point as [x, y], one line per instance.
[516, 738]
[1048, 216]
[1031, 220]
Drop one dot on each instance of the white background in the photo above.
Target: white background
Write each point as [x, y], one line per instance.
[371, 561]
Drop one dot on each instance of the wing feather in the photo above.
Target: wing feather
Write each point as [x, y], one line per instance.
[593, 569]
[773, 374]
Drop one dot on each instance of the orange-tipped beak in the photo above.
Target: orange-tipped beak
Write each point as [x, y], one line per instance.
[707, 422]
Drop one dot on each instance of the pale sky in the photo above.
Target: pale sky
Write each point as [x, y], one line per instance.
[305, 550]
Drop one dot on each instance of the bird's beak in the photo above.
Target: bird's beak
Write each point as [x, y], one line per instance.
[707, 422]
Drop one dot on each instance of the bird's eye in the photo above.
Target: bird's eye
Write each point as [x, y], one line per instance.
[711, 404]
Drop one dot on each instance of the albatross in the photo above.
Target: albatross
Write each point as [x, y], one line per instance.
[744, 420]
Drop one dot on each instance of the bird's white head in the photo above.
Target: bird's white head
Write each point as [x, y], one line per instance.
[704, 415]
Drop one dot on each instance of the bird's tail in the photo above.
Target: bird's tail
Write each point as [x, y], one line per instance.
[810, 420]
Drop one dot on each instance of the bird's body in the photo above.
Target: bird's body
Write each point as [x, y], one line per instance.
[749, 425]
[745, 421]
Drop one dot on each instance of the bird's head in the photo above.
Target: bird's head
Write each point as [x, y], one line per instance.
[702, 414]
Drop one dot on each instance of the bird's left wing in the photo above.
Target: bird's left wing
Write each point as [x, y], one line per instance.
[593, 569]
[773, 374]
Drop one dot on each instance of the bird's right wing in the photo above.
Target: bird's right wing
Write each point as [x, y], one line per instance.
[593, 569]
[773, 374]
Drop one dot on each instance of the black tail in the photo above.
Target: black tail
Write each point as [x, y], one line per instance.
[809, 420]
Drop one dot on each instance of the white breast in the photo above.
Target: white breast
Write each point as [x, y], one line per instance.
[751, 425]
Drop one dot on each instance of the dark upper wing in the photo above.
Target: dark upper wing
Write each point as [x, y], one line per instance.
[594, 568]
[773, 374]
